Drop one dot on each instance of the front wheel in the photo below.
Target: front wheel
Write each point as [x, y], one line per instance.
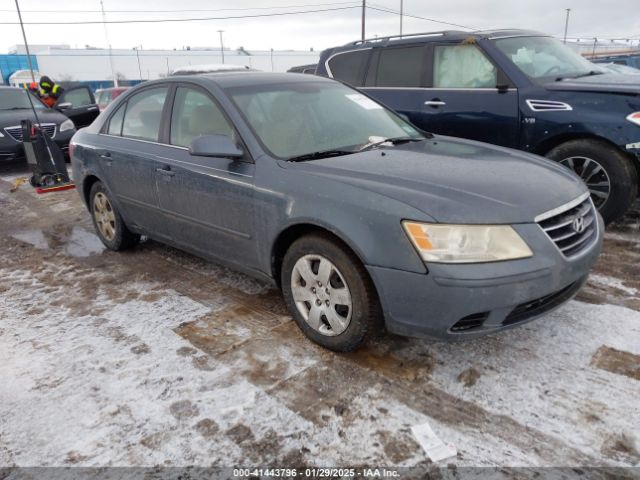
[329, 293]
[608, 173]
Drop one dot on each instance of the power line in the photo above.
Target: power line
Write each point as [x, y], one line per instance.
[66, 12]
[442, 22]
[174, 20]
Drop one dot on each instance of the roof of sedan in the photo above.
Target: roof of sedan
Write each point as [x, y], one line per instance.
[247, 78]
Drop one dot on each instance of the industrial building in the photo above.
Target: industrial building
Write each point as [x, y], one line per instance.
[98, 66]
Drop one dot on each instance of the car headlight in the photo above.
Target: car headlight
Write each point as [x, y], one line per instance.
[67, 125]
[440, 243]
[634, 118]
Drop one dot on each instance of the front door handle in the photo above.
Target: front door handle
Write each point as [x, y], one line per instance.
[166, 171]
[435, 103]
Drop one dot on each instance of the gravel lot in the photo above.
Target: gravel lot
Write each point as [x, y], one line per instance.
[155, 357]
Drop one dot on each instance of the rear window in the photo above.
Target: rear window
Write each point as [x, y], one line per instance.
[144, 114]
[349, 67]
[401, 67]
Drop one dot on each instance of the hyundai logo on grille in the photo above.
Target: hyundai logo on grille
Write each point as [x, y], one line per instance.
[578, 225]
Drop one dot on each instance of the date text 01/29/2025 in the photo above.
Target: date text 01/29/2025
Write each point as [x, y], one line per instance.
[315, 472]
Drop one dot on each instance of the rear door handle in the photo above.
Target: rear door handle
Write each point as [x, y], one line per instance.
[435, 103]
[166, 171]
[106, 156]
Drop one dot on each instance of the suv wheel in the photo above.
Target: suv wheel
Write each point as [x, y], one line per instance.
[107, 221]
[608, 173]
[329, 293]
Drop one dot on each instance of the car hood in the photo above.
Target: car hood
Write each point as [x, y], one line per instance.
[607, 83]
[457, 181]
[12, 118]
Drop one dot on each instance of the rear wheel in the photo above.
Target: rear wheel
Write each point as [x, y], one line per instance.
[607, 172]
[107, 221]
[329, 293]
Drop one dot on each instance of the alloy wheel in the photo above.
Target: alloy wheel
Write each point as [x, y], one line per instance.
[321, 295]
[594, 175]
[104, 216]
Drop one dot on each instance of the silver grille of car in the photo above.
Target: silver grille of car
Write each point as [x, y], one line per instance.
[548, 106]
[16, 132]
[573, 227]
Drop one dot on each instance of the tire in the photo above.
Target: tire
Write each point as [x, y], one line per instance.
[349, 327]
[107, 221]
[584, 156]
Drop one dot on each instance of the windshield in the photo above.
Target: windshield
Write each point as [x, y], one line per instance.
[14, 99]
[540, 57]
[300, 118]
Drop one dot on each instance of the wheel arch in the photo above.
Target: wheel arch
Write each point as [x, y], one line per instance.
[87, 183]
[293, 232]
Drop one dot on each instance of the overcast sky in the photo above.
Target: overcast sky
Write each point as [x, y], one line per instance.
[589, 18]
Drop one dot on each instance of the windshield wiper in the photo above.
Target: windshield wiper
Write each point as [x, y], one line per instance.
[393, 141]
[318, 155]
[587, 74]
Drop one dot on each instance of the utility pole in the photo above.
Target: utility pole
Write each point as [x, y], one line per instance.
[401, 15]
[364, 8]
[566, 25]
[595, 44]
[221, 45]
[26, 45]
[138, 57]
[106, 36]
[272, 59]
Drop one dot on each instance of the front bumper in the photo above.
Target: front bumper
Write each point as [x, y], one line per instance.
[465, 301]
[12, 150]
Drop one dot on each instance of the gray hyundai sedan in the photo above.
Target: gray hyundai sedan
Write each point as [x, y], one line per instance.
[363, 221]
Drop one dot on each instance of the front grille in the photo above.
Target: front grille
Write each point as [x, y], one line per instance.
[16, 132]
[573, 229]
[541, 305]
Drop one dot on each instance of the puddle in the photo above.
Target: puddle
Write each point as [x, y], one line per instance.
[33, 237]
[83, 244]
[76, 243]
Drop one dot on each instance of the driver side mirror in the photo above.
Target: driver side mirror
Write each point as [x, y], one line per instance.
[215, 146]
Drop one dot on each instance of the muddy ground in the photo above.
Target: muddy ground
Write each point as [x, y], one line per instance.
[155, 357]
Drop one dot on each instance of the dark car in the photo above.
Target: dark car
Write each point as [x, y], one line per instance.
[15, 107]
[104, 96]
[355, 214]
[310, 68]
[512, 88]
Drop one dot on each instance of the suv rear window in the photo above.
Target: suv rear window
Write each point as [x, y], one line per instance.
[401, 67]
[349, 67]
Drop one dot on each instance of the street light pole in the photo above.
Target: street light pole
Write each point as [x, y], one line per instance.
[364, 8]
[401, 15]
[566, 25]
[221, 45]
[138, 57]
[106, 36]
[26, 45]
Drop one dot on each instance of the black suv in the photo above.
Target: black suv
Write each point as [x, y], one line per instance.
[513, 88]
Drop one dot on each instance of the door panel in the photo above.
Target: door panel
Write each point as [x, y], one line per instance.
[207, 201]
[208, 204]
[83, 109]
[470, 97]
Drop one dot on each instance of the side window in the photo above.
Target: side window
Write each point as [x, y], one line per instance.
[349, 67]
[78, 97]
[195, 114]
[401, 67]
[462, 66]
[144, 114]
[115, 123]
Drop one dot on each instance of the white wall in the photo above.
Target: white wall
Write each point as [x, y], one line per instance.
[83, 65]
